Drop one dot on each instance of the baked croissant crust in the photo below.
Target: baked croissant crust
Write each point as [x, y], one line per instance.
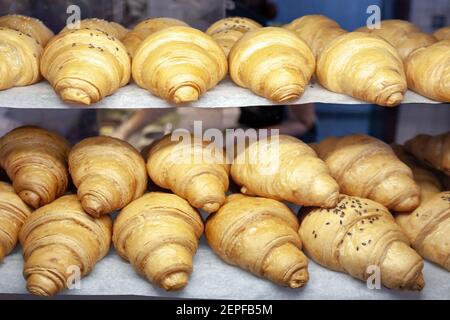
[285, 168]
[109, 173]
[432, 150]
[36, 162]
[159, 234]
[273, 63]
[19, 59]
[443, 33]
[112, 28]
[358, 234]
[259, 235]
[366, 167]
[193, 169]
[59, 240]
[434, 62]
[85, 65]
[142, 30]
[29, 26]
[229, 30]
[179, 64]
[13, 213]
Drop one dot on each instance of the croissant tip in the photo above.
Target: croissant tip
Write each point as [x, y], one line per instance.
[211, 207]
[91, 205]
[419, 284]
[75, 95]
[185, 94]
[395, 99]
[31, 198]
[299, 279]
[40, 285]
[175, 281]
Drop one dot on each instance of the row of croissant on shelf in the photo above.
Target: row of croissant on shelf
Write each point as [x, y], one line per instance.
[363, 202]
[179, 63]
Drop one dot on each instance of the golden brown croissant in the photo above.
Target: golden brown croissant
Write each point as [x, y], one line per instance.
[432, 150]
[179, 64]
[60, 241]
[109, 173]
[19, 59]
[366, 167]
[229, 30]
[393, 31]
[443, 33]
[358, 234]
[111, 28]
[285, 168]
[36, 162]
[259, 235]
[316, 30]
[193, 169]
[13, 213]
[145, 28]
[28, 25]
[159, 234]
[85, 65]
[273, 63]
[434, 62]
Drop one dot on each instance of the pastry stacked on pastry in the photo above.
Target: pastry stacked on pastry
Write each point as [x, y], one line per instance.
[22, 42]
[356, 64]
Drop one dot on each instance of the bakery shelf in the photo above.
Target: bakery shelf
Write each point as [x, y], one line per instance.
[214, 279]
[226, 94]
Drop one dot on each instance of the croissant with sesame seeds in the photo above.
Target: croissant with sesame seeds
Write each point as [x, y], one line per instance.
[259, 235]
[60, 243]
[22, 41]
[360, 237]
[85, 65]
[112, 28]
[228, 31]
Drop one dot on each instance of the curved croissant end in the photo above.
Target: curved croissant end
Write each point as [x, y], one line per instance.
[259, 235]
[443, 33]
[357, 234]
[433, 61]
[201, 180]
[112, 28]
[29, 26]
[19, 59]
[159, 234]
[58, 238]
[179, 64]
[36, 162]
[273, 63]
[228, 31]
[109, 174]
[85, 65]
[145, 28]
[13, 213]
[365, 67]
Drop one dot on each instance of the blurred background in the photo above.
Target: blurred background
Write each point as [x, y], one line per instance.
[309, 122]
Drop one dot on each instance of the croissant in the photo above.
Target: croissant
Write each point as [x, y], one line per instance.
[393, 31]
[36, 162]
[366, 167]
[109, 174]
[259, 235]
[433, 61]
[443, 33]
[325, 31]
[273, 63]
[32, 27]
[13, 213]
[85, 65]
[111, 28]
[59, 240]
[193, 169]
[285, 168]
[432, 150]
[179, 64]
[358, 234]
[145, 28]
[159, 234]
[229, 30]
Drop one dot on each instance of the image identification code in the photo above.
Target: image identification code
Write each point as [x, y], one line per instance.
[225, 309]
